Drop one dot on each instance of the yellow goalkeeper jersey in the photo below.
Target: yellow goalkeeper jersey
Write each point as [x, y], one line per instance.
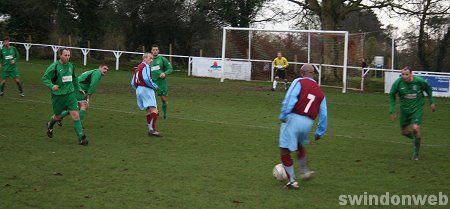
[280, 63]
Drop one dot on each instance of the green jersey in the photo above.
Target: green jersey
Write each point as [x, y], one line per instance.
[411, 94]
[160, 65]
[62, 75]
[7, 55]
[89, 80]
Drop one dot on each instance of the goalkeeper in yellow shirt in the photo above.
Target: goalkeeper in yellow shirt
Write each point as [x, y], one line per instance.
[280, 64]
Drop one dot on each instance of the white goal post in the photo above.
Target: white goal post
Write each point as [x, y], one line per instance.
[248, 43]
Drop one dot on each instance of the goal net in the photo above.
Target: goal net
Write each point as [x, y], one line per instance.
[328, 51]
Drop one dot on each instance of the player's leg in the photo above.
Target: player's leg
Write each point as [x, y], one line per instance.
[58, 108]
[2, 86]
[83, 109]
[72, 105]
[19, 85]
[146, 100]
[417, 141]
[152, 117]
[275, 80]
[78, 127]
[287, 143]
[164, 106]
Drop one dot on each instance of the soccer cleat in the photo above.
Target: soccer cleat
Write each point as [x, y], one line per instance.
[22, 94]
[1, 93]
[59, 122]
[415, 157]
[49, 131]
[83, 141]
[307, 175]
[292, 185]
[154, 133]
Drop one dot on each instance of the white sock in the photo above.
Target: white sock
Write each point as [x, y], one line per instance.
[274, 86]
[290, 171]
[302, 164]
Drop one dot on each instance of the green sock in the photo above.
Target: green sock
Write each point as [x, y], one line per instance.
[416, 146]
[51, 123]
[78, 128]
[164, 108]
[64, 114]
[82, 114]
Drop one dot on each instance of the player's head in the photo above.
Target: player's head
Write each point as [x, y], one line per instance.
[407, 74]
[279, 55]
[103, 69]
[64, 55]
[155, 50]
[6, 41]
[307, 70]
[147, 58]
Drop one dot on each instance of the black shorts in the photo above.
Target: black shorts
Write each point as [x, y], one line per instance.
[280, 73]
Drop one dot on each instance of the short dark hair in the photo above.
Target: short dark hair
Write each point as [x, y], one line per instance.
[103, 64]
[408, 68]
[155, 45]
[6, 38]
[63, 49]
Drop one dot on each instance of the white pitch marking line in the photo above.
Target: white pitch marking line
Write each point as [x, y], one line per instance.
[247, 125]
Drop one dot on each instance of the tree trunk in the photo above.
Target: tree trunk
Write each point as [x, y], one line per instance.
[421, 50]
[442, 51]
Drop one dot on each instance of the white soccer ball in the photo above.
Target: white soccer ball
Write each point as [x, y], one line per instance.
[279, 173]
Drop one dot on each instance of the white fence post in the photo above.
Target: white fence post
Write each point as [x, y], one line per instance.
[320, 75]
[27, 48]
[117, 54]
[55, 52]
[189, 65]
[85, 52]
[1, 44]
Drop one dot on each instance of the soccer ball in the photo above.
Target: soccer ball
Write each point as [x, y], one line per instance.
[279, 173]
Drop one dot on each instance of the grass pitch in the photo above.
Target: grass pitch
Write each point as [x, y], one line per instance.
[219, 147]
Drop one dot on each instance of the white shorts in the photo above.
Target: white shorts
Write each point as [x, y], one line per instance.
[295, 131]
[145, 97]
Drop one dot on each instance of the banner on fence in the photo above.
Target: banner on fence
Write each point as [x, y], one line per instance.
[440, 84]
[212, 68]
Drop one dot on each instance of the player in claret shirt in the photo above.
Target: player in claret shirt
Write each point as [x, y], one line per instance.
[145, 92]
[303, 103]
[410, 89]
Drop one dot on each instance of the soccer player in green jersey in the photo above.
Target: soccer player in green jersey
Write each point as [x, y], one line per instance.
[88, 81]
[410, 89]
[161, 67]
[61, 80]
[8, 58]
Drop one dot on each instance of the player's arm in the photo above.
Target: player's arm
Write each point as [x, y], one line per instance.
[392, 96]
[323, 120]
[16, 55]
[168, 66]
[429, 91]
[132, 82]
[95, 79]
[1, 57]
[290, 99]
[285, 63]
[147, 75]
[75, 83]
[48, 75]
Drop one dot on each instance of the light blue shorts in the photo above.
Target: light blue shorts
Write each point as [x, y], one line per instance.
[295, 131]
[145, 97]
